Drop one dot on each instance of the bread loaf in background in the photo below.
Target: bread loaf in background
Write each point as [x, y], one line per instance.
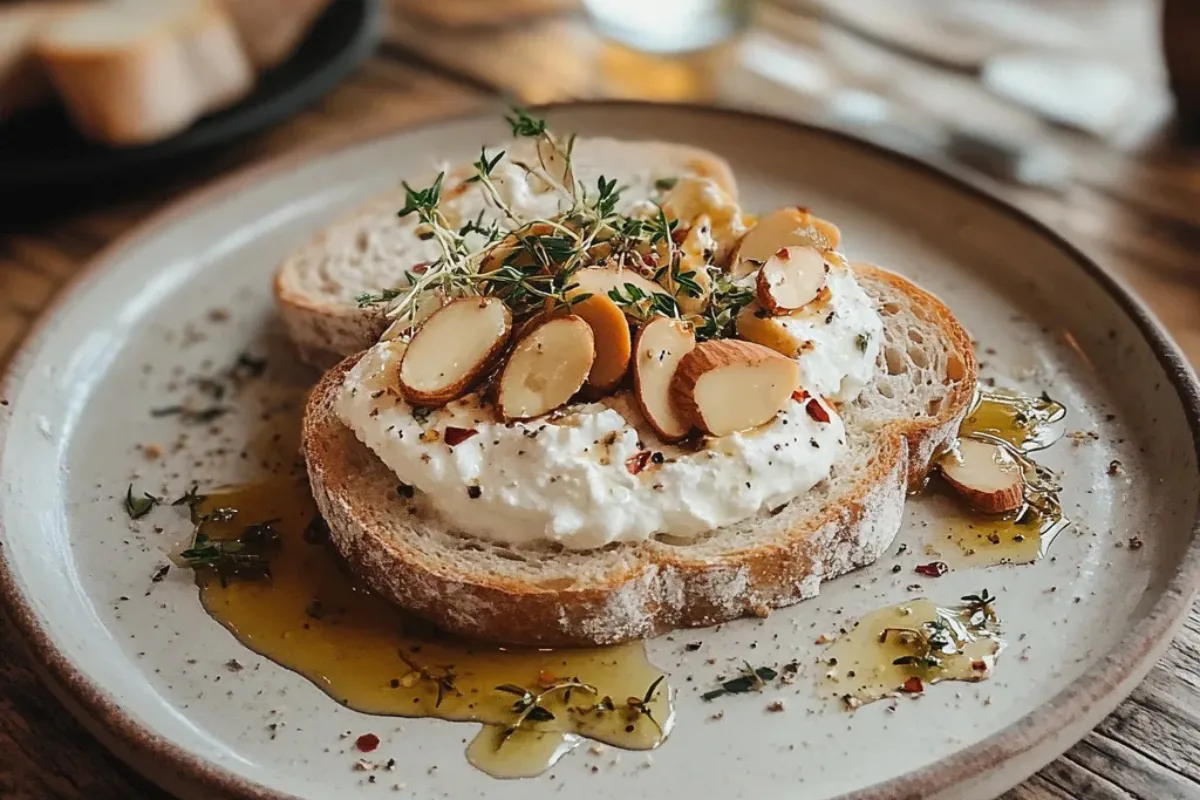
[23, 80]
[135, 71]
[271, 30]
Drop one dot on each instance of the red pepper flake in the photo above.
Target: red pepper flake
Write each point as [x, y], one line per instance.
[934, 569]
[454, 436]
[800, 395]
[366, 743]
[782, 254]
[546, 678]
[636, 463]
[913, 685]
[679, 235]
[817, 411]
[979, 665]
[419, 268]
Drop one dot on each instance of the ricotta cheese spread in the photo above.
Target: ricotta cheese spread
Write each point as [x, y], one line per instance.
[844, 333]
[586, 477]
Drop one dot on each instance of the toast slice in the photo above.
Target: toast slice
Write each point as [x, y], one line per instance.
[549, 597]
[271, 30]
[23, 80]
[136, 71]
[371, 249]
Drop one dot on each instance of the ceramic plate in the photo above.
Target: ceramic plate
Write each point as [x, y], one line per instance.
[145, 667]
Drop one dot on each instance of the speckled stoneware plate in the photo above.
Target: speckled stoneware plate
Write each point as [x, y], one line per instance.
[144, 666]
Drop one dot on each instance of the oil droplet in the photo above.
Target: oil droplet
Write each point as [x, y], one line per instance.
[525, 754]
[312, 617]
[882, 652]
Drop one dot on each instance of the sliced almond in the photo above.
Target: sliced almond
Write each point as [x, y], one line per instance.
[757, 324]
[546, 368]
[785, 227]
[661, 344]
[602, 280]
[985, 474]
[404, 324]
[556, 165]
[453, 349]
[791, 279]
[610, 330]
[725, 385]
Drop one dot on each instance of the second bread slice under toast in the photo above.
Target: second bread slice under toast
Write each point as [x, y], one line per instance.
[551, 597]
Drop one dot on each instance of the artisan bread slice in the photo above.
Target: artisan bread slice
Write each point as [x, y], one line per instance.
[135, 71]
[271, 30]
[371, 249]
[23, 81]
[546, 596]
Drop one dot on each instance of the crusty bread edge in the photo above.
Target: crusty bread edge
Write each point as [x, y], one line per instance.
[657, 587]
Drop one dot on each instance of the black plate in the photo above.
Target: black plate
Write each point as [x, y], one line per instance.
[41, 149]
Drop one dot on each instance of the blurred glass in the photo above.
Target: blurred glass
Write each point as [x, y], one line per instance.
[669, 26]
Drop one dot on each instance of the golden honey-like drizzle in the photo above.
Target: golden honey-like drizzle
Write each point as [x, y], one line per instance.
[1027, 424]
[311, 616]
[862, 665]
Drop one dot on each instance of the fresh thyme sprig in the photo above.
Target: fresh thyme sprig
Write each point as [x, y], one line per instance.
[246, 557]
[946, 634]
[725, 302]
[444, 679]
[529, 706]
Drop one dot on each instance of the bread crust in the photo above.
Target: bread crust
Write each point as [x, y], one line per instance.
[629, 591]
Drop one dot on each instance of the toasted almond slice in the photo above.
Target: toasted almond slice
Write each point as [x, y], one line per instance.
[791, 279]
[453, 349]
[402, 325]
[661, 344]
[757, 324]
[546, 368]
[602, 280]
[610, 330]
[724, 386]
[785, 227]
[985, 474]
[556, 166]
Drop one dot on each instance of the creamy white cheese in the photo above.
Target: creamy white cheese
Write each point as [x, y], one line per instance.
[845, 346]
[572, 479]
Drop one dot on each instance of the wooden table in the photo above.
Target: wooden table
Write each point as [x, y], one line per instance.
[1133, 205]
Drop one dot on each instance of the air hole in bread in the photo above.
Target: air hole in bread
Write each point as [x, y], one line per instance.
[556, 584]
[889, 309]
[918, 356]
[955, 370]
[896, 363]
[915, 336]
[673, 541]
[935, 406]
[885, 389]
[509, 555]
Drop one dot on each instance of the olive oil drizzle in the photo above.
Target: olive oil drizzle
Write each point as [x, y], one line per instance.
[903, 648]
[309, 615]
[1021, 425]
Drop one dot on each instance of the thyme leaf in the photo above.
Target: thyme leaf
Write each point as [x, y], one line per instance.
[138, 507]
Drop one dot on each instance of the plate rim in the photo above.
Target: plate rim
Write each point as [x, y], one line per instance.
[1081, 701]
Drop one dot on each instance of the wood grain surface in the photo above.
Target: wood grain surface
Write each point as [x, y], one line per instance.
[1133, 204]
